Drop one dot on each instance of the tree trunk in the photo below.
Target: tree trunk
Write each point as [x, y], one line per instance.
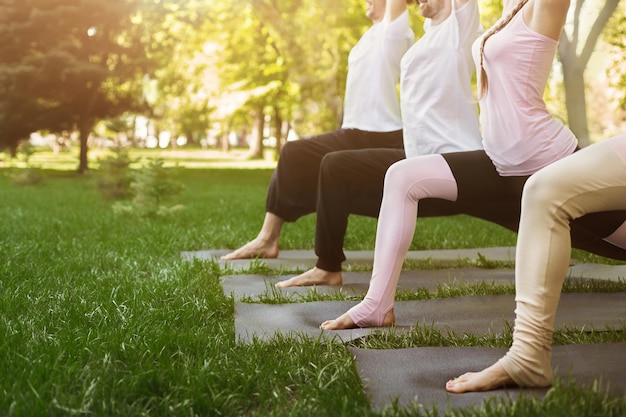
[84, 130]
[278, 128]
[224, 143]
[575, 103]
[574, 53]
[256, 136]
[13, 149]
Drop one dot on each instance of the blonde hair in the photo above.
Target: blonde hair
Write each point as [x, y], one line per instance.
[484, 84]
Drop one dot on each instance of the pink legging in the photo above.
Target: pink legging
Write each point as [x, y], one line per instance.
[591, 180]
[406, 182]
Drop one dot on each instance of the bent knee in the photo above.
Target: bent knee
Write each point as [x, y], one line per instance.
[422, 177]
[542, 188]
[344, 165]
[291, 147]
[400, 175]
[334, 161]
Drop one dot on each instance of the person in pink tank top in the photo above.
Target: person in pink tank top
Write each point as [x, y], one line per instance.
[592, 180]
[520, 137]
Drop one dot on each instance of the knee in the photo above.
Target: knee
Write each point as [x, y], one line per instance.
[334, 164]
[541, 189]
[291, 148]
[546, 196]
[398, 177]
[422, 177]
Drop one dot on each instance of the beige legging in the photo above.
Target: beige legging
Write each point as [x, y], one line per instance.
[591, 180]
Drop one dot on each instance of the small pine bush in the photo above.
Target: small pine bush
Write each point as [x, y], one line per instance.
[153, 188]
[31, 175]
[114, 177]
[27, 177]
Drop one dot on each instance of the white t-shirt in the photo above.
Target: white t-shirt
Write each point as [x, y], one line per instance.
[439, 110]
[371, 100]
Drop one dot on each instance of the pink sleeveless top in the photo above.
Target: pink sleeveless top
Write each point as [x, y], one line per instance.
[519, 134]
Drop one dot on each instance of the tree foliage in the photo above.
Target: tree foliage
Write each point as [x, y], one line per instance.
[75, 62]
[182, 86]
[191, 65]
[290, 56]
[74, 59]
[614, 36]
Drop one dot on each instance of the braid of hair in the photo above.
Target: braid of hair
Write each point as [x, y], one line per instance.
[495, 29]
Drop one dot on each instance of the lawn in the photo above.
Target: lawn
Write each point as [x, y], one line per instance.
[99, 315]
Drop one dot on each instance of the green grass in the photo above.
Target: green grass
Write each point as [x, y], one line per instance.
[273, 295]
[100, 316]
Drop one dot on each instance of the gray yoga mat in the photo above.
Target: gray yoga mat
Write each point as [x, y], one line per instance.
[357, 283]
[305, 259]
[605, 272]
[420, 374]
[472, 314]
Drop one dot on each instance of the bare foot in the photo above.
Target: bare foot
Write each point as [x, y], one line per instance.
[488, 379]
[345, 322]
[257, 248]
[315, 276]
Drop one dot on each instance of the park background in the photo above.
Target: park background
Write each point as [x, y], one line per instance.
[171, 74]
[132, 130]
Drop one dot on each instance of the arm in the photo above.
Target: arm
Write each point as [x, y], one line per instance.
[547, 17]
[395, 8]
[459, 3]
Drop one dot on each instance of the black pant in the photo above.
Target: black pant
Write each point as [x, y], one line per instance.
[485, 194]
[293, 188]
[351, 182]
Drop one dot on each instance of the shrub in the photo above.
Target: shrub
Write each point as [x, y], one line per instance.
[114, 177]
[153, 186]
[31, 175]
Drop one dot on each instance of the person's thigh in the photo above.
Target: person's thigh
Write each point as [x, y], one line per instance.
[482, 192]
[359, 175]
[314, 146]
[587, 188]
[478, 181]
[345, 140]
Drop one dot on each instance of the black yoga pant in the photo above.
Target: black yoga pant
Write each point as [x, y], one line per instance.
[293, 188]
[351, 182]
[478, 182]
